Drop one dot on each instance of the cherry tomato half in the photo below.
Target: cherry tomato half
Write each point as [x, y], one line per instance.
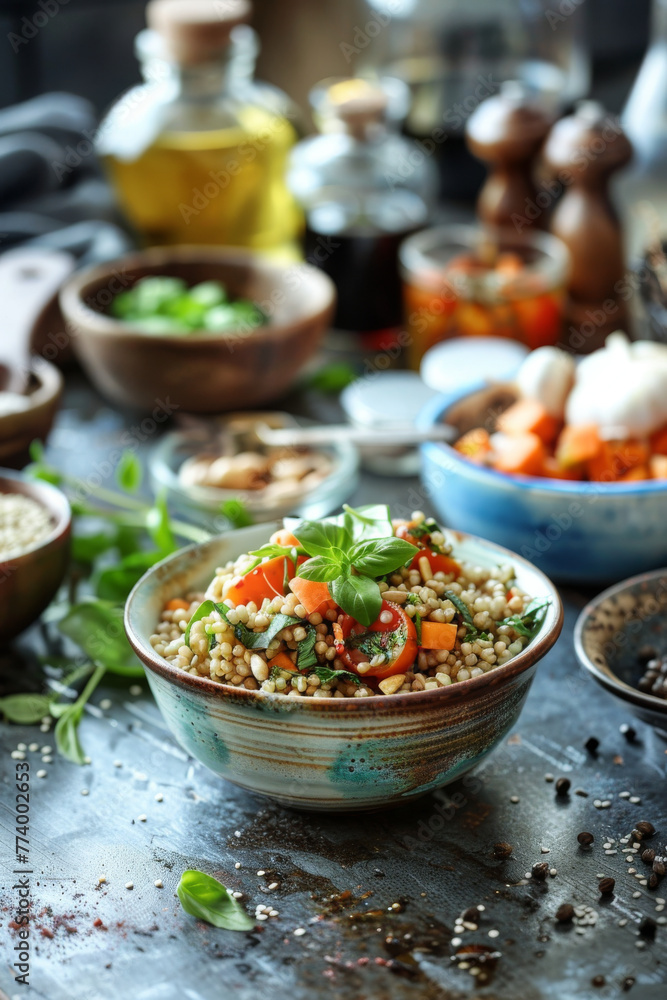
[437, 562]
[395, 640]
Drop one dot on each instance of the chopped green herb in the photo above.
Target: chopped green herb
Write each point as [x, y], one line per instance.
[306, 655]
[530, 622]
[326, 675]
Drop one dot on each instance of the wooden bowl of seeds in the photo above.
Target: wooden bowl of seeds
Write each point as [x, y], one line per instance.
[35, 520]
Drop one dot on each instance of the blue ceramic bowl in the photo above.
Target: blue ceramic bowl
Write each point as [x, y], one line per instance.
[332, 753]
[574, 531]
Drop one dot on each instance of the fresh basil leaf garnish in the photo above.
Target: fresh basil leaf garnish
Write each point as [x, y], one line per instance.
[321, 569]
[306, 655]
[319, 538]
[326, 675]
[379, 556]
[358, 596]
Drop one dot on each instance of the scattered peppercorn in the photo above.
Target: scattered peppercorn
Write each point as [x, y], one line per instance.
[598, 981]
[565, 913]
[628, 983]
[606, 886]
[648, 856]
[629, 733]
[585, 839]
[592, 744]
[540, 870]
[659, 867]
[563, 786]
[502, 851]
[647, 927]
[471, 915]
[653, 881]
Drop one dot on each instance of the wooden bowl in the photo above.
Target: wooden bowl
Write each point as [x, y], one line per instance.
[29, 581]
[200, 372]
[18, 430]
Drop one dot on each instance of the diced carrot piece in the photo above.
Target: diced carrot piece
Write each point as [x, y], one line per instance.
[518, 454]
[528, 416]
[438, 635]
[658, 466]
[475, 444]
[177, 604]
[577, 445]
[284, 537]
[312, 595]
[283, 661]
[553, 470]
[659, 442]
[615, 459]
[266, 580]
[637, 474]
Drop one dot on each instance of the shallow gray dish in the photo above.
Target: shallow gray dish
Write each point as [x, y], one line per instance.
[610, 631]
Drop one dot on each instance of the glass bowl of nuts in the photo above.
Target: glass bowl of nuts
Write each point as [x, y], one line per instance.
[223, 475]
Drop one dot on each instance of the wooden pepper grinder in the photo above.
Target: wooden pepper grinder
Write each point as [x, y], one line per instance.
[583, 151]
[507, 132]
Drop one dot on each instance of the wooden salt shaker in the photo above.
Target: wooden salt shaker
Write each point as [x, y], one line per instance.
[583, 151]
[507, 132]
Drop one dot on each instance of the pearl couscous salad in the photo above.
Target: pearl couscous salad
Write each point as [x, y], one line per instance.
[350, 606]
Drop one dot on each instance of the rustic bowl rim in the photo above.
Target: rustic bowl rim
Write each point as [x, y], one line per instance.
[605, 676]
[48, 496]
[450, 695]
[438, 407]
[100, 324]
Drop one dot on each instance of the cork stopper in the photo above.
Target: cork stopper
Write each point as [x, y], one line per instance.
[196, 31]
[358, 104]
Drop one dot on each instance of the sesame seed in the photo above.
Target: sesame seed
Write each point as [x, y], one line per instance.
[118, 763]
[624, 795]
[159, 797]
[514, 799]
[273, 913]
[105, 704]
[45, 727]
[494, 933]
[635, 800]
[237, 833]
[102, 879]
[611, 852]
[47, 760]
[606, 846]
[553, 872]
[17, 755]
[237, 864]
[456, 941]
[261, 872]
[237, 895]
[636, 895]
[85, 791]
[273, 885]
[262, 916]
[545, 850]
[622, 923]
[21, 746]
[136, 689]
[33, 747]
[299, 932]
[129, 885]
[87, 760]
[158, 883]
[41, 774]
[142, 818]
[548, 777]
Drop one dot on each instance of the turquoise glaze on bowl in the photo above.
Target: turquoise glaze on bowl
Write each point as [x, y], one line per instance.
[573, 531]
[332, 753]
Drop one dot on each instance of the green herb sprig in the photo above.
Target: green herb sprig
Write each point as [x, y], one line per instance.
[350, 552]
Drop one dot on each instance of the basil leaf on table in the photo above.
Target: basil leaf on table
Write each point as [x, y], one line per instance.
[202, 896]
[87, 548]
[116, 582]
[129, 472]
[97, 628]
[25, 709]
[358, 596]
[379, 556]
[66, 734]
[236, 513]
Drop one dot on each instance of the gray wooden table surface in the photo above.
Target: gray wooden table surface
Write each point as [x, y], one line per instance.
[376, 895]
